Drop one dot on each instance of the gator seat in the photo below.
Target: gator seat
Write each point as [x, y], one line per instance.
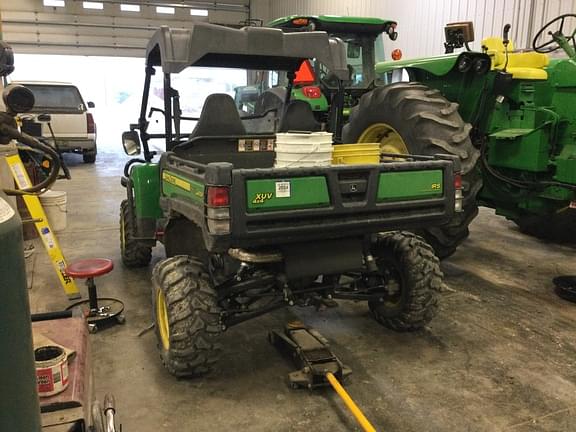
[299, 117]
[219, 116]
[220, 136]
[525, 65]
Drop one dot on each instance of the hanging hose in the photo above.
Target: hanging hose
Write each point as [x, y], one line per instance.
[11, 132]
[350, 404]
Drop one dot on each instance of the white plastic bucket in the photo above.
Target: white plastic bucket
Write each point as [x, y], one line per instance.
[303, 149]
[54, 203]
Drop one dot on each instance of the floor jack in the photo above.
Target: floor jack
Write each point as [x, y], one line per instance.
[318, 366]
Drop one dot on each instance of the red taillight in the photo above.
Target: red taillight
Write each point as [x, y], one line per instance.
[457, 181]
[312, 92]
[218, 196]
[90, 125]
[396, 54]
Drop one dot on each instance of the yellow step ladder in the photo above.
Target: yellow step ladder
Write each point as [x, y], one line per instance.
[48, 238]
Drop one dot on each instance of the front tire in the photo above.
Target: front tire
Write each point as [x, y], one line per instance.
[410, 117]
[186, 316]
[89, 157]
[134, 252]
[413, 281]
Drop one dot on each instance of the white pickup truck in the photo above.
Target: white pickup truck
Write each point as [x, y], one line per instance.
[73, 126]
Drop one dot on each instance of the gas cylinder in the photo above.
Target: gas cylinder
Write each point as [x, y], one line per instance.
[19, 407]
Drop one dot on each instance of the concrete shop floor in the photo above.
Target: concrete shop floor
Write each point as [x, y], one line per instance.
[501, 354]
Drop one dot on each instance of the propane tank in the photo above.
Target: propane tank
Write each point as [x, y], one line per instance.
[19, 407]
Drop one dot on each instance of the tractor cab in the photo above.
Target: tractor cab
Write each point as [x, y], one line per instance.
[363, 38]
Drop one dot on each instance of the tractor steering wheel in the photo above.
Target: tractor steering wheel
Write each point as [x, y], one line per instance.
[552, 44]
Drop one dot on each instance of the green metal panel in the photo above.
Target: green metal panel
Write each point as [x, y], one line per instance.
[291, 193]
[177, 185]
[528, 152]
[146, 187]
[566, 165]
[318, 104]
[410, 185]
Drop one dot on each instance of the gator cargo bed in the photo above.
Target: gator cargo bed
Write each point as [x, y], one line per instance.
[284, 205]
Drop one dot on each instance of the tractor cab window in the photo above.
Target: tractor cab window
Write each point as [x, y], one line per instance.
[379, 55]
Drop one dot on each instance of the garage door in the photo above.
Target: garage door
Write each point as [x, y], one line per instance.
[105, 27]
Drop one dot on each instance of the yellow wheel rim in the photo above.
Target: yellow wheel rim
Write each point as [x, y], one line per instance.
[162, 319]
[389, 139]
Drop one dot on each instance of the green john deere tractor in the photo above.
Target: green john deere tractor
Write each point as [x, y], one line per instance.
[507, 116]
[244, 237]
[521, 116]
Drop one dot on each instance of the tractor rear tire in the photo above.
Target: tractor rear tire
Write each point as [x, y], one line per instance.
[556, 228]
[134, 252]
[428, 124]
[409, 261]
[186, 316]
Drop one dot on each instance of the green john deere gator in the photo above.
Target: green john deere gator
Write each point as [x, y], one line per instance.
[243, 237]
[506, 115]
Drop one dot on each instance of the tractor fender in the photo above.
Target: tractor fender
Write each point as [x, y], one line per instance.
[438, 65]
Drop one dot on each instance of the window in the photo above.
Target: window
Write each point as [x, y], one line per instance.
[129, 7]
[54, 3]
[165, 10]
[199, 12]
[56, 98]
[93, 5]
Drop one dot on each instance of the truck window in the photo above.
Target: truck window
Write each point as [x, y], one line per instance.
[56, 98]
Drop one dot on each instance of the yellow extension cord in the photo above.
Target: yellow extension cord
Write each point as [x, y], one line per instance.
[360, 417]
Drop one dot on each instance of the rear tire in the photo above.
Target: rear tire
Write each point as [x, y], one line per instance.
[186, 316]
[428, 124]
[407, 260]
[134, 253]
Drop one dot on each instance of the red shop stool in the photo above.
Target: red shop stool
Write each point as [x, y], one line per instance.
[102, 311]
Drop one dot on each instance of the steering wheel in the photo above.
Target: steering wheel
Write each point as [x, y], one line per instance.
[552, 44]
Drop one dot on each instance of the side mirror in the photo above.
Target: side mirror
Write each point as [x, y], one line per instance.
[131, 143]
[91, 104]
[44, 118]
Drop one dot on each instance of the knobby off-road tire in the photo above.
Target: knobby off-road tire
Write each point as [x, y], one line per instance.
[186, 316]
[408, 258]
[134, 252]
[428, 124]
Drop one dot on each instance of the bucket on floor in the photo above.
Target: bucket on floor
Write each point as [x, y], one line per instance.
[51, 370]
[356, 154]
[303, 149]
[54, 203]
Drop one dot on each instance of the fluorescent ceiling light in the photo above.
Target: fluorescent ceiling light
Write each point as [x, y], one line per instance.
[164, 10]
[55, 3]
[129, 7]
[92, 5]
[199, 12]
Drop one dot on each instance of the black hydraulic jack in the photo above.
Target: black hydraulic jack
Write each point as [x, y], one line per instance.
[312, 355]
